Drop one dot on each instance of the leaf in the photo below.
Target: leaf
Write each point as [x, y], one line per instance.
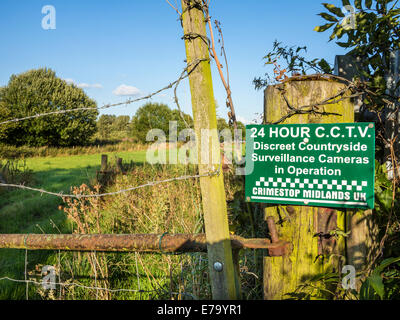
[377, 283]
[337, 32]
[324, 27]
[358, 4]
[366, 291]
[385, 263]
[333, 35]
[328, 17]
[324, 65]
[385, 198]
[333, 9]
[340, 32]
[343, 44]
[346, 2]
[368, 3]
[338, 232]
[375, 61]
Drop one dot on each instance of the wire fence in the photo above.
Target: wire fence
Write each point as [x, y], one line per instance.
[49, 284]
[292, 110]
[100, 195]
[64, 285]
[186, 72]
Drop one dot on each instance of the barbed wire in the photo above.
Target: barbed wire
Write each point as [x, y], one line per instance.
[313, 108]
[73, 284]
[185, 73]
[83, 196]
[66, 284]
[214, 172]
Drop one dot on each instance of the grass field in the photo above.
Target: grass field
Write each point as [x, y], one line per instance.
[174, 207]
[30, 212]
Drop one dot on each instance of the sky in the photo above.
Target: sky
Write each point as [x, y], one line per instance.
[119, 49]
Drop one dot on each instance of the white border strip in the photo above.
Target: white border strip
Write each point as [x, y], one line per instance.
[310, 201]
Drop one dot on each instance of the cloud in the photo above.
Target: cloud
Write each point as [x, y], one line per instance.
[84, 85]
[124, 90]
[243, 120]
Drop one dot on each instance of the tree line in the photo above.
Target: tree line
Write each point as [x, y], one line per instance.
[41, 91]
[149, 116]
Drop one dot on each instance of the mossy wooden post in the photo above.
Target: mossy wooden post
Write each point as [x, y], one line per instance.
[224, 283]
[283, 275]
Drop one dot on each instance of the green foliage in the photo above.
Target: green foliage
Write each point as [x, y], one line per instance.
[375, 36]
[15, 172]
[331, 8]
[121, 124]
[383, 283]
[12, 152]
[41, 91]
[111, 127]
[294, 60]
[104, 125]
[156, 116]
[222, 125]
[383, 190]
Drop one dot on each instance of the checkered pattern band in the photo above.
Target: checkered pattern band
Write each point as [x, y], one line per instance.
[296, 183]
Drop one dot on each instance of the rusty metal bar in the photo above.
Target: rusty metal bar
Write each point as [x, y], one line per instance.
[282, 248]
[272, 229]
[124, 243]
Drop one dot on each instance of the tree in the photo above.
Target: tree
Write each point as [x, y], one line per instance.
[222, 125]
[113, 127]
[371, 34]
[373, 37]
[105, 125]
[156, 116]
[182, 119]
[41, 91]
[121, 125]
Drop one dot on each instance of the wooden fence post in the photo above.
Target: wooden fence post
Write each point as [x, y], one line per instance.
[104, 163]
[224, 283]
[119, 166]
[299, 224]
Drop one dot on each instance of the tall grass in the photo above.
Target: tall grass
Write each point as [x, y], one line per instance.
[12, 152]
[14, 171]
[172, 208]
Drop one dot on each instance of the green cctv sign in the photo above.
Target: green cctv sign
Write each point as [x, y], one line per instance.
[328, 165]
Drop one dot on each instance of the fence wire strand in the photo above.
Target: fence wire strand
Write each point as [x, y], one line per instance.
[96, 288]
[186, 72]
[100, 195]
[215, 171]
[65, 284]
